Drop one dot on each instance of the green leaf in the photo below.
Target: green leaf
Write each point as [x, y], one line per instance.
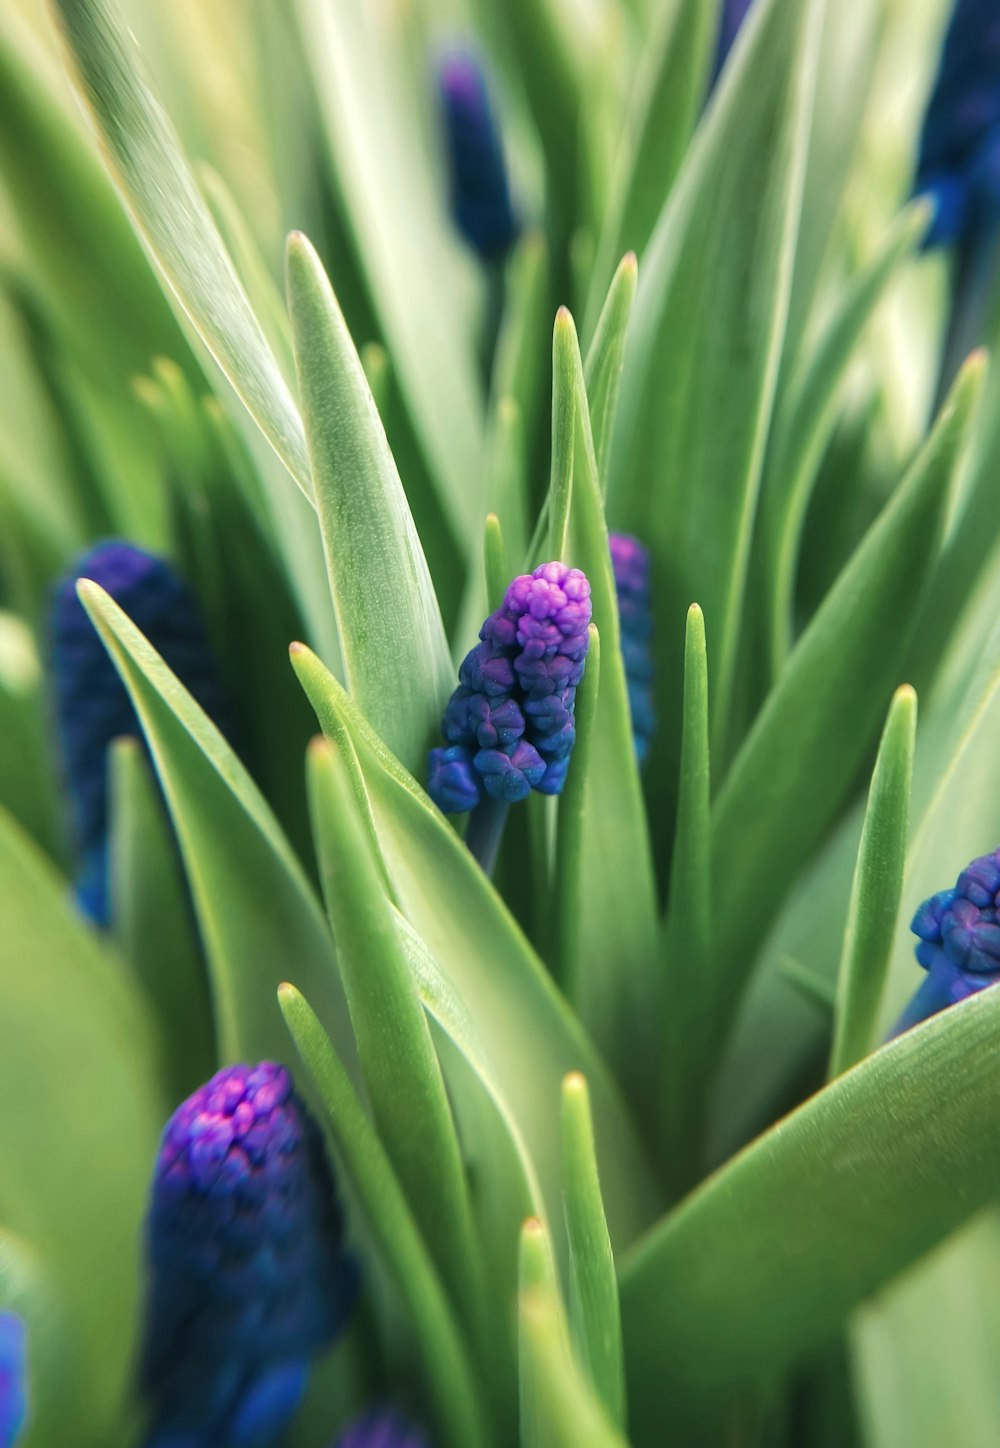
[605, 359]
[704, 352]
[594, 1309]
[166, 206]
[831, 1203]
[615, 929]
[669, 86]
[27, 774]
[449, 1373]
[558, 1408]
[841, 669]
[496, 562]
[805, 420]
[78, 1078]
[532, 1038]
[573, 822]
[27, 1290]
[392, 638]
[401, 1071]
[153, 923]
[564, 410]
[423, 285]
[694, 974]
[877, 887]
[255, 907]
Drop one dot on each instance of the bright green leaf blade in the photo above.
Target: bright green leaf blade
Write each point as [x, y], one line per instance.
[401, 1071]
[594, 1311]
[496, 562]
[564, 433]
[878, 885]
[393, 640]
[606, 358]
[694, 974]
[705, 347]
[450, 1376]
[832, 1203]
[842, 668]
[423, 286]
[79, 1085]
[256, 909]
[573, 822]
[669, 86]
[802, 428]
[558, 1408]
[167, 207]
[615, 927]
[532, 1038]
[153, 922]
[27, 775]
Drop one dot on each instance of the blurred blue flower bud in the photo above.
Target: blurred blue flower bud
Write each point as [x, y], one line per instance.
[510, 725]
[13, 1400]
[959, 159]
[92, 705]
[958, 941]
[480, 193]
[733, 14]
[630, 562]
[382, 1428]
[248, 1277]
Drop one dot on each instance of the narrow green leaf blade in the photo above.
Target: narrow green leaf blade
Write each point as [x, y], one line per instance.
[392, 638]
[848, 655]
[255, 906]
[450, 1375]
[606, 358]
[401, 1070]
[877, 887]
[831, 1203]
[594, 1310]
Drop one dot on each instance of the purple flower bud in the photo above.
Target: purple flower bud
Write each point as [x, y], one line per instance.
[382, 1428]
[958, 941]
[630, 562]
[510, 725]
[734, 12]
[959, 161]
[480, 194]
[13, 1401]
[248, 1278]
[92, 704]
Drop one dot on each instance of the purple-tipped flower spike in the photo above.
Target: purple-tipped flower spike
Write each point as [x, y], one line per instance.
[382, 1428]
[509, 724]
[630, 562]
[959, 162]
[248, 1278]
[480, 192]
[92, 705]
[13, 1401]
[959, 941]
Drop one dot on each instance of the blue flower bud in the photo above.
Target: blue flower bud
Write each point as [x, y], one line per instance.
[734, 13]
[958, 937]
[92, 704]
[382, 1428]
[630, 562]
[248, 1278]
[510, 724]
[13, 1401]
[480, 194]
[959, 160]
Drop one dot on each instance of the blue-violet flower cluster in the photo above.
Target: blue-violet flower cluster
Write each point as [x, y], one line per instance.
[382, 1428]
[92, 704]
[630, 562]
[248, 1275]
[959, 161]
[481, 203]
[509, 725]
[959, 941]
[12, 1378]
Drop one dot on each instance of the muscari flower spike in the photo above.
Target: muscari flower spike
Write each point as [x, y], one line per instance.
[630, 562]
[92, 705]
[481, 202]
[509, 725]
[959, 941]
[382, 1428]
[248, 1277]
[959, 160]
[13, 1402]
